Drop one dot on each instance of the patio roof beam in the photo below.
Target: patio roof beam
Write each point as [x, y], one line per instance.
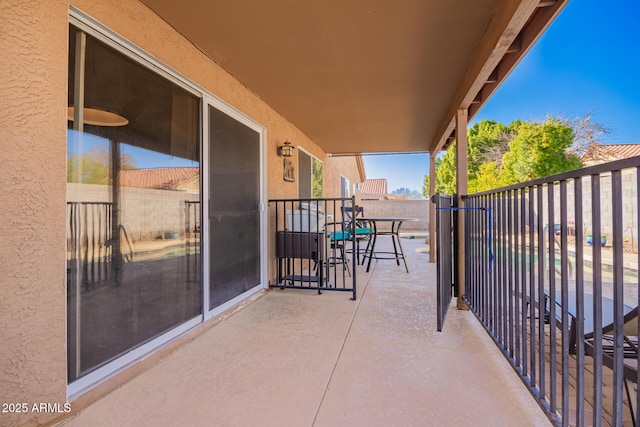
[516, 46]
[432, 208]
[527, 37]
[461, 189]
[511, 33]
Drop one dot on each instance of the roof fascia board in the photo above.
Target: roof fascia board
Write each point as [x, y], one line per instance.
[510, 18]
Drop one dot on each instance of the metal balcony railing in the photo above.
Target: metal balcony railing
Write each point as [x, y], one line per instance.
[314, 244]
[552, 274]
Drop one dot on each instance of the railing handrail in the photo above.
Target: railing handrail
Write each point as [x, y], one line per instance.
[308, 249]
[322, 199]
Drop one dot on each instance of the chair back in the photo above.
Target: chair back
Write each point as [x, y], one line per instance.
[348, 214]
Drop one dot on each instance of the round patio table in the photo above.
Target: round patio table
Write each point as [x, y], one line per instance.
[398, 253]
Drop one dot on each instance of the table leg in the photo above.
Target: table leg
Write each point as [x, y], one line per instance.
[404, 259]
[394, 235]
[373, 245]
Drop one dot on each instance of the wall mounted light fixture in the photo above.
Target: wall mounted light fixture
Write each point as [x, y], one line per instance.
[286, 150]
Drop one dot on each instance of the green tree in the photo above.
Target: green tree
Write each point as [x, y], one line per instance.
[487, 141]
[94, 167]
[446, 172]
[425, 186]
[489, 177]
[539, 149]
[425, 182]
[317, 179]
[500, 155]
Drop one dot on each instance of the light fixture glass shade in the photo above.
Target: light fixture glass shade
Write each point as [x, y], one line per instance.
[286, 150]
[94, 116]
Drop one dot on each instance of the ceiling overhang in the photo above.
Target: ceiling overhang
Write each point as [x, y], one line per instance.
[366, 76]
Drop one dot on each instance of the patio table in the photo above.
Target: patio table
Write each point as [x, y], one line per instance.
[398, 253]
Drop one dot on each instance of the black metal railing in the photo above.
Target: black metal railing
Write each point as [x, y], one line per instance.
[314, 244]
[551, 271]
[445, 254]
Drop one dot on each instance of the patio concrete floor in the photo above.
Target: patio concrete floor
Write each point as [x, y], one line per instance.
[296, 358]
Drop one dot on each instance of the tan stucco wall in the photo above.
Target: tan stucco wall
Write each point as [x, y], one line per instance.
[338, 166]
[33, 48]
[33, 45]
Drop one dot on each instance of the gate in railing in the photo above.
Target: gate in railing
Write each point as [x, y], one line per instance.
[445, 254]
[561, 297]
[314, 244]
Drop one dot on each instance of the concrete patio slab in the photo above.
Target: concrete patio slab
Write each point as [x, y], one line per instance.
[296, 358]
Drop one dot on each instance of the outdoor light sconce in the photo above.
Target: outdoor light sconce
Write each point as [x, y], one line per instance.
[286, 150]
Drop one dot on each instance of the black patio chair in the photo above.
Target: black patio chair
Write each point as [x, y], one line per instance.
[363, 230]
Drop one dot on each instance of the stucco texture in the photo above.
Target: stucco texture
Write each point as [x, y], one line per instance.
[33, 48]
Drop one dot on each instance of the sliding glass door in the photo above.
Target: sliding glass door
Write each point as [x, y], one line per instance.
[133, 206]
[234, 208]
[165, 207]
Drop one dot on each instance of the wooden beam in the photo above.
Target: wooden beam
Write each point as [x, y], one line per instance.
[462, 167]
[511, 18]
[539, 22]
[493, 77]
[432, 207]
[516, 45]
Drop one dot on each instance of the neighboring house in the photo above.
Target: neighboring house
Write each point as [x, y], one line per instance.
[603, 153]
[374, 189]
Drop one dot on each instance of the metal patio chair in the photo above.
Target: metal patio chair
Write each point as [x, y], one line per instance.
[363, 229]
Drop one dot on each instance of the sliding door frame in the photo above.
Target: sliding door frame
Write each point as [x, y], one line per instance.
[105, 35]
[213, 102]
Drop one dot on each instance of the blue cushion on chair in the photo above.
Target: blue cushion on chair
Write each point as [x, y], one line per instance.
[363, 230]
[339, 235]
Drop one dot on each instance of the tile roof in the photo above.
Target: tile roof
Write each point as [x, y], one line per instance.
[374, 186]
[602, 153]
[186, 178]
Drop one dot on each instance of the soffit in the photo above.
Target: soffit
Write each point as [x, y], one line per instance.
[355, 76]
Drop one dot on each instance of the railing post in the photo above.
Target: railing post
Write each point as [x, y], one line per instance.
[461, 190]
[354, 249]
[432, 208]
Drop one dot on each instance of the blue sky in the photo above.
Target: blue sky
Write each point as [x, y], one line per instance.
[588, 60]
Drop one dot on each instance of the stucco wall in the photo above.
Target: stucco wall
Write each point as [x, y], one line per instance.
[340, 166]
[33, 45]
[33, 48]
